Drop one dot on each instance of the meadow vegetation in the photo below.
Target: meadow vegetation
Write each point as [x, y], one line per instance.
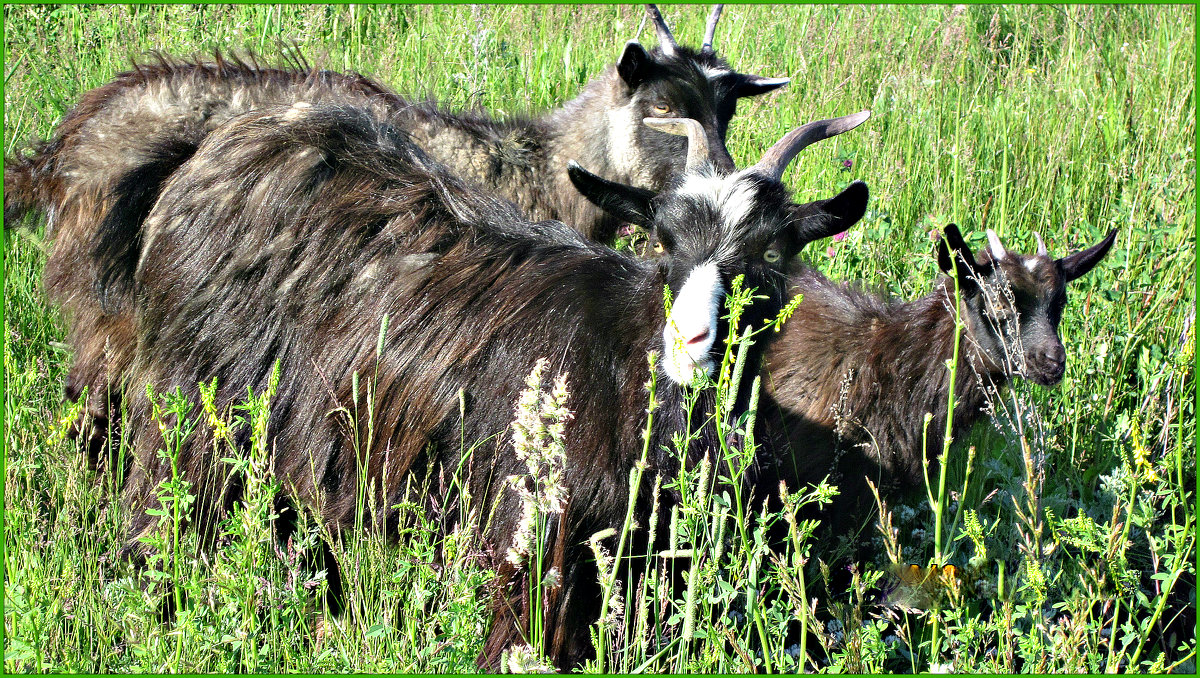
[1068, 518]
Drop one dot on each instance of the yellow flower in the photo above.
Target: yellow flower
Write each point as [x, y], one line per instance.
[1141, 455]
[64, 423]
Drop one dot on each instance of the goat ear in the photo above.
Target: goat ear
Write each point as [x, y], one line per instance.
[953, 254]
[753, 85]
[634, 64]
[823, 218]
[627, 203]
[1079, 264]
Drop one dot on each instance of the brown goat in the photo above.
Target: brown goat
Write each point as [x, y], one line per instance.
[853, 375]
[292, 234]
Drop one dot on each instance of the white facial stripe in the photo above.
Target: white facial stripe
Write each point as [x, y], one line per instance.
[691, 328]
[730, 197]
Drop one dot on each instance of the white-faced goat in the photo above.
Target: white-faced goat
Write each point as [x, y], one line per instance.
[853, 374]
[99, 175]
[294, 234]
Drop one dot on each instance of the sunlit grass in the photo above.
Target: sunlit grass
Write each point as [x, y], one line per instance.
[1068, 121]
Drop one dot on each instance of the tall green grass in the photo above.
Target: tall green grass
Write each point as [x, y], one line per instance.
[1070, 517]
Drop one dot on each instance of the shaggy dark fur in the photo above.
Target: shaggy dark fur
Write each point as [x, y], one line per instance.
[108, 157]
[153, 116]
[853, 374]
[293, 233]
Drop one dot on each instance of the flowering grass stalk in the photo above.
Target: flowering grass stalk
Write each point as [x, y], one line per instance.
[541, 417]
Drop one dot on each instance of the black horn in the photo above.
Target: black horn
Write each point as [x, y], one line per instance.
[666, 41]
[776, 159]
[711, 29]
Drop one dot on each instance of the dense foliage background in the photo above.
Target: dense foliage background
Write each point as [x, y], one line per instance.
[1073, 533]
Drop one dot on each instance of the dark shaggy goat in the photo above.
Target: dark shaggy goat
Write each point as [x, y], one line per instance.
[99, 175]
[292, 234]
[853, 375]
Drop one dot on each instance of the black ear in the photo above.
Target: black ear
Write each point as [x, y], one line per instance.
[1079, 264]
[953, 253]
[627, 203]
[753, 85]
[823, 218]
[634, 65]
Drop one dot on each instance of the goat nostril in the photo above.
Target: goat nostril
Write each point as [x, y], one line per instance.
[698, 338]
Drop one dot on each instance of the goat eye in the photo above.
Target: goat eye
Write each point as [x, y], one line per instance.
[662, 109]
[658, 247]
[772, 256]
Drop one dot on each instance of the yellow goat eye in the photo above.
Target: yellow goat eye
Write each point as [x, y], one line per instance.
[661, 109]
[772, 256]
[658, 248]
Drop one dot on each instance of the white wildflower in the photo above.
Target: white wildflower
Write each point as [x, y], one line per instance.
[539, 441]
[553, 579]
[525, 659]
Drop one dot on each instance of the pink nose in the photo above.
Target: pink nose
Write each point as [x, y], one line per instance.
[698, 338]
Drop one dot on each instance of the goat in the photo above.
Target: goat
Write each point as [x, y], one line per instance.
[292, 234]
[853, 375]
[99, 175]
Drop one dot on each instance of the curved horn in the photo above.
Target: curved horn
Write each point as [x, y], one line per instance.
[666, 41]
[1041, 245]
[711, 29]
[994, 244]
[776, 159]
[684, 127]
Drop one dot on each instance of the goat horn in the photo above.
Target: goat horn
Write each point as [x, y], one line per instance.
[684, 127]
[1041, 245]
[995, 245]
[666, 41]
[776, 159]
[711, 29]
